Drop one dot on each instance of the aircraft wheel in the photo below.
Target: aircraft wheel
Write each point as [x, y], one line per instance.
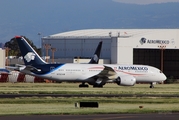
[97, 86]
[86, 85]
[83, 85]
[151, 85]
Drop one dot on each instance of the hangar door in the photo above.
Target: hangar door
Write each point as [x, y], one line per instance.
[153, 57]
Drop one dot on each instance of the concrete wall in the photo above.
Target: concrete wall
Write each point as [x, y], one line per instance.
[125, 51]
[2, 58]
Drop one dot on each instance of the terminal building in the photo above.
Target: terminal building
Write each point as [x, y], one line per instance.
[155, 47]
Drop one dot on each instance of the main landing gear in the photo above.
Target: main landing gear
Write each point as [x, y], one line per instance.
[83, 85]
[97, 86]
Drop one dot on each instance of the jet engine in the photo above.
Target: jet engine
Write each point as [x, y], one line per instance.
[126, 81]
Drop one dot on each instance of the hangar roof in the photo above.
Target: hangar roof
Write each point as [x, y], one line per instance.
[87, 33]
[100, 33]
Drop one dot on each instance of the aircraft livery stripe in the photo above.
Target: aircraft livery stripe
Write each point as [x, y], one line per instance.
[50, 71]
[96, 68]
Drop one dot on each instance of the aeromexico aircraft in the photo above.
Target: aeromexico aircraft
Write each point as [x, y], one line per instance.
[3, 70]
[93, 74]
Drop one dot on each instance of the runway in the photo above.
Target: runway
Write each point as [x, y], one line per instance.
[158, 116]
[85, 95]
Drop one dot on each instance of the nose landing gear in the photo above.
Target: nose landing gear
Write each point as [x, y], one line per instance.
[152, 85]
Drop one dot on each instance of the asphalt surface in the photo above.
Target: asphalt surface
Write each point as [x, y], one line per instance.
[158, 116]
[84, 95]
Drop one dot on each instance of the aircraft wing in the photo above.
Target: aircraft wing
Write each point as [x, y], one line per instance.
[106, 74]
[17, 67]
[25, 69]
[31, 68]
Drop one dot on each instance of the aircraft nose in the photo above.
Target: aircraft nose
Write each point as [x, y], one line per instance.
[164, 77]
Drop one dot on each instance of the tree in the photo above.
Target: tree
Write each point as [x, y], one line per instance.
[14, 48]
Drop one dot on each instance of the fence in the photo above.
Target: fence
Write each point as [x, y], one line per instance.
[16, 76]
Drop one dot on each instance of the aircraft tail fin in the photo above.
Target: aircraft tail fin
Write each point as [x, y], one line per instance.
[96, 56]
[29, 55]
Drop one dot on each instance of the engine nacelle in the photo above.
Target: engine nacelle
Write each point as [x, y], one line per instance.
[126, 81]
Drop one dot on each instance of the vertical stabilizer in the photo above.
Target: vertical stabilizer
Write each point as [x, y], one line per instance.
[96, 56]
[29, 55]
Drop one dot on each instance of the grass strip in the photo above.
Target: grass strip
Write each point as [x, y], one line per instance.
[72, 88]
[50, 105]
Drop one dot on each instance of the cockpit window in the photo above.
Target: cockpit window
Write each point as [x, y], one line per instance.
[161, 71]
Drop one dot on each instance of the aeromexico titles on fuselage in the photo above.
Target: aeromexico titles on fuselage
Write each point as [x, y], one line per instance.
[135, 68]
[48, 68]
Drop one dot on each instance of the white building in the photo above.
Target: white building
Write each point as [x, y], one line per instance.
[121, 46]
[2, 60]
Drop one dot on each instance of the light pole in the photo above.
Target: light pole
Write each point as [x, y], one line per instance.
[53, 51]
[39, 34]
[7, 54]
[162, 48]
[47, 47]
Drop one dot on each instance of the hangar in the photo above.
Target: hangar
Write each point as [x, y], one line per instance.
[155, 47]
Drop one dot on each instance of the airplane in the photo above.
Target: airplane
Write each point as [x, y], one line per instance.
[3, 70]
[93, 74]
[93, 60]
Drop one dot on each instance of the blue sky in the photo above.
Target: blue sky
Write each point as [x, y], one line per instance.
[146, 1]
[29, 17]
